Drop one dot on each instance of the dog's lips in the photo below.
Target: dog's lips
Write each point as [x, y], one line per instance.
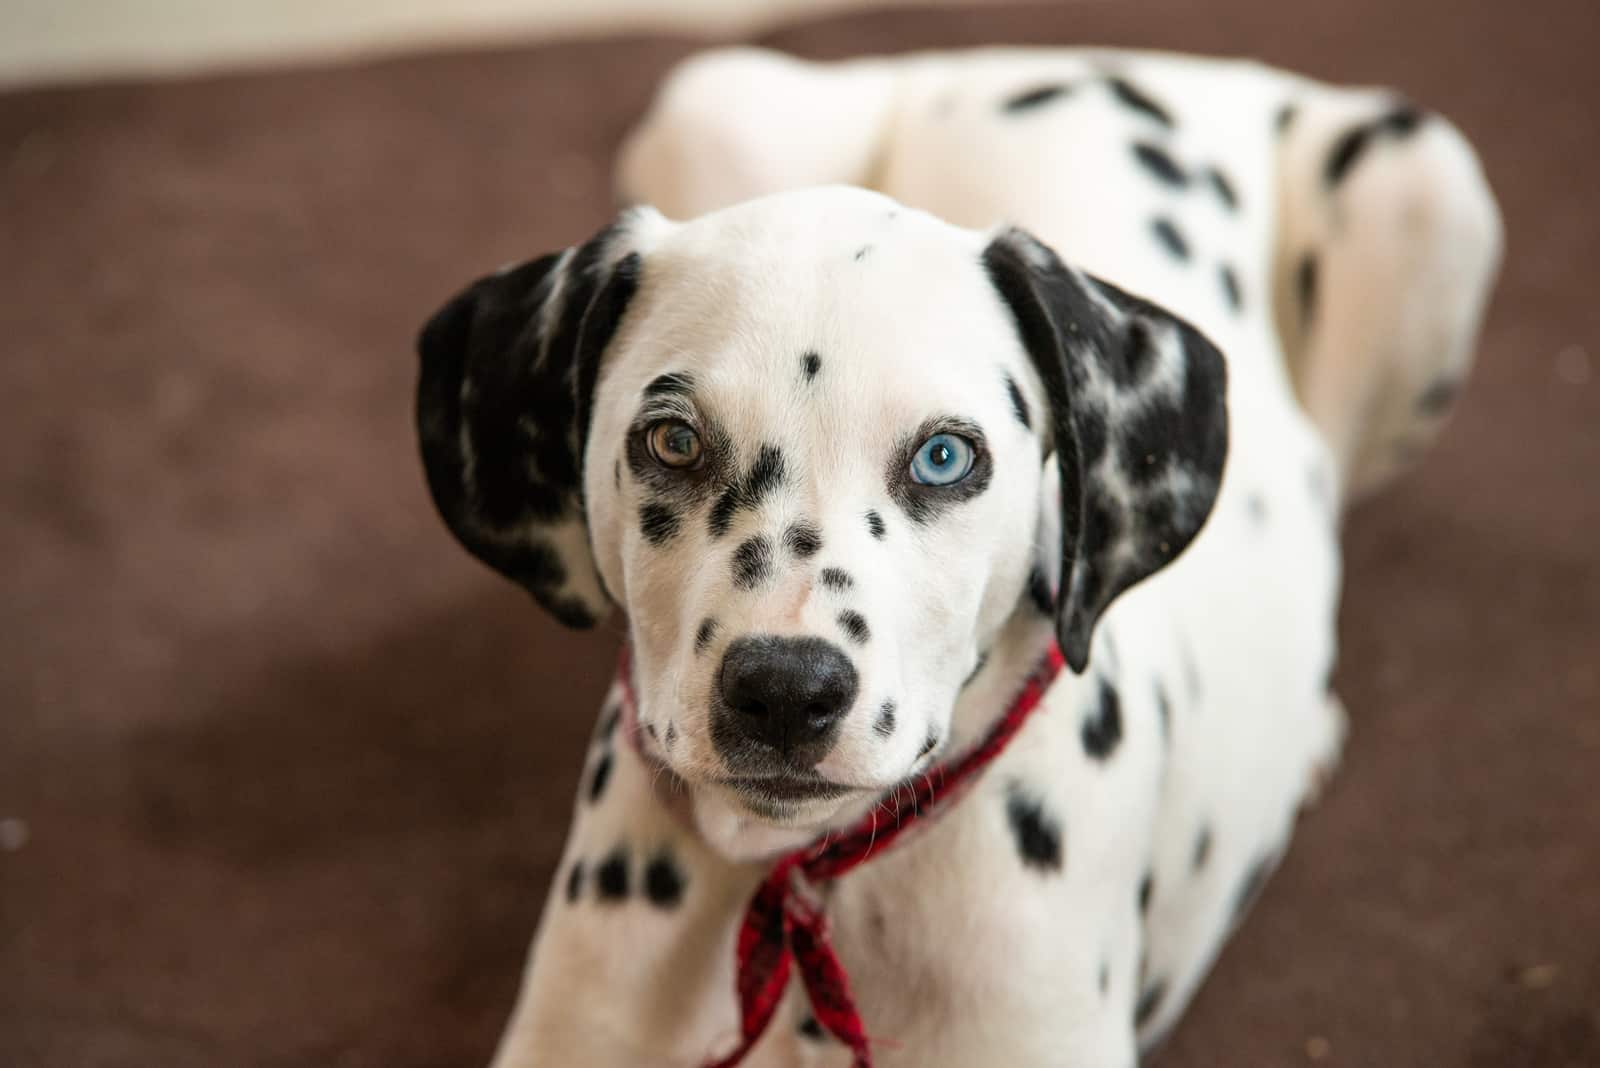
[790, 788]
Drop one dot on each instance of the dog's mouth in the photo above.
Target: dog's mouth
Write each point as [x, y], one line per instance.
[786, 789]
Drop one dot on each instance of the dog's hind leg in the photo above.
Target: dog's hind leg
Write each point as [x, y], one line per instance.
[1388, 243]
[737, 123]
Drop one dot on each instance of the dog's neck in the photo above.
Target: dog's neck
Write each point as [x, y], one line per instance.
[736, 835]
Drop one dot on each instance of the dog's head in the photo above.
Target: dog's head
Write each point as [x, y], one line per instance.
[803, 443]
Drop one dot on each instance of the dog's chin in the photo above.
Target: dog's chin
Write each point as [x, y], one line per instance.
[749, 820]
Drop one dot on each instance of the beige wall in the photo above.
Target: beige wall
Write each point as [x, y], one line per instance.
[75, 39]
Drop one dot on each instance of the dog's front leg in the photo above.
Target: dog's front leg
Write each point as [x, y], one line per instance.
[633, 961]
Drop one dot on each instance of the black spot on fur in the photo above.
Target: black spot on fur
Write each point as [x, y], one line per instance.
[1437, 398]
[1149, 1002]
[752, 562]
[811, 363]
[1256, 506]
[1230, 287]
[875, 525]
[1398, 124]
[1039, 592]
[855, 626]
[1161, 166]
[703, 636]
[663, 882]
[1030, 99]
[575, 881]
[810, 1028]
[1166, 232]
[1037, 834]
[1284, 119]
[608, 723]
[1102, 731]
[658, 523]
[803, 539]
[1223, 188]
[861, 254]
[1019, 403]
[765, 475]
[885, 722]
[1202, 848]
[836, 579]
[1164, 711]
[1255, 879]
[1132, 97]
[672, 735]
[601, 776]
[611, 878]
[674, 382]
[1105, 977]
[1147, 892]
[1305, 285]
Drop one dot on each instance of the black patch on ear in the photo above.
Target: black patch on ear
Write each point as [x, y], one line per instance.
[1161, 166]
[1250, 887]
[811, 362]
[1398, 124]
[884, 725]
[1230, 287]
[601, 776]
[1305, 285]
[502, 409]
[703, 636]
[752, 562]
[611, 878]
[1039, 592]
[765, 475]
[875, 525]
[663, 882]
[810, 1028]
[1437, 398]
[1019, 403]
[1102, 730]
[673, 383]
[1147, 892]
[1149, 1002]
[575, 881]
[803, 539]
[1097, 351]
[1031, 99]
[1166, 231]
[1202, 848]
[855, 626]
[1132, 97]
[658, 523]
[836, 579]
[1037, 833]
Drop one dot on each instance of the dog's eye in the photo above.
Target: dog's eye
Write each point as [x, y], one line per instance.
[942, 460]
[673, 443]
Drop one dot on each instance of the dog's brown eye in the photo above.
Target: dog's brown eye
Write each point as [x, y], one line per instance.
[673, 443]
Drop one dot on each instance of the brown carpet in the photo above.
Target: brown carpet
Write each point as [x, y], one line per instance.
[292, 770]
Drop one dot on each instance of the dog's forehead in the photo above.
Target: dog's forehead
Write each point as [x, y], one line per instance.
[840, 285]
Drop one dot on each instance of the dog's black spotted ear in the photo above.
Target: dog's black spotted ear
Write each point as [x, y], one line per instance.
[503, 405]
[1139, 422]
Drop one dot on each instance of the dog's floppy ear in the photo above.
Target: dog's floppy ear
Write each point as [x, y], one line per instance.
[503, 405]
[1139, 421]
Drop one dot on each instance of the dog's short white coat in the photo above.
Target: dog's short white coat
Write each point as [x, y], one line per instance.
[959, 953]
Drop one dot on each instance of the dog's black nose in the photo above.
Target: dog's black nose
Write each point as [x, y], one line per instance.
[787, 694]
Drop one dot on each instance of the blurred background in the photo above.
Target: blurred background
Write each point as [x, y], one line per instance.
[284, 774]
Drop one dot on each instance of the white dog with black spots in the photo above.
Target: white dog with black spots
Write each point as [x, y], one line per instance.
[953, 356]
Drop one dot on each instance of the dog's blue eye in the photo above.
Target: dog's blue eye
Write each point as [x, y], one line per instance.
[942, 460]
[674, 443]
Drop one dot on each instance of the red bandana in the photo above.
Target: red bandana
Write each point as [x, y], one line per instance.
[784, 925]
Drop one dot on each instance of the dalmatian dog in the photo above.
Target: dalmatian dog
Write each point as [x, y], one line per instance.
[950, 357]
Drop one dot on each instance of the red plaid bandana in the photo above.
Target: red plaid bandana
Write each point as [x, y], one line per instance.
[784, 925]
